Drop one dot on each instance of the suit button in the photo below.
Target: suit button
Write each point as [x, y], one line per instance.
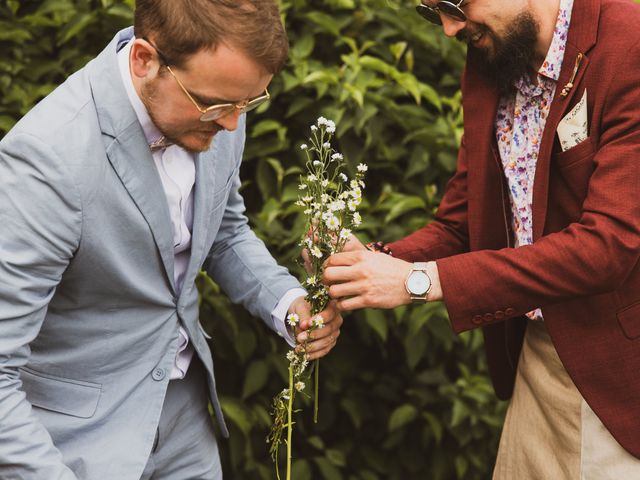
[158, 374]
[509, 312]
[499, 315]
[477, 320]
[488, 317]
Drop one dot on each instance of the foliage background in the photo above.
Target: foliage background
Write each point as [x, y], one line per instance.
[402, 397]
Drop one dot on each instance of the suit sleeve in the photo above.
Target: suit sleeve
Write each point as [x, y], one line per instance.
[591, 256]
[40, 218]
[448, 233]
[240, 262]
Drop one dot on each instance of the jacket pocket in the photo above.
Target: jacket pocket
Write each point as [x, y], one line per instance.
[629, 320]
[58, 394]
[584, 151]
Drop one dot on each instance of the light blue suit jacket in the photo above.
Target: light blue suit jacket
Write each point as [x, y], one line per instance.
[89, 312]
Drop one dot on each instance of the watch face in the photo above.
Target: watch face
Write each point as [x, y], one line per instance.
[418, 283]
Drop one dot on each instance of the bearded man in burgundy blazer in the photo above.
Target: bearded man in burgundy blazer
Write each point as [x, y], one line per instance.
[537, 238]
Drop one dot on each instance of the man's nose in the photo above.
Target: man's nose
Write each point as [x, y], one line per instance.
[230, 120]
[451, 26]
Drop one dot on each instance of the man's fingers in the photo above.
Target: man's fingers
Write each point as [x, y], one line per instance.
[345, 258]
[333, 275]
[352, 303]
[348, 289]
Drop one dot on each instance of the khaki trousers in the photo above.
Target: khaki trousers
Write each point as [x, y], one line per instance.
[550, 432]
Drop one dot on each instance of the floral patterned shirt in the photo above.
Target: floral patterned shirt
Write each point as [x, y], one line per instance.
[520, 122]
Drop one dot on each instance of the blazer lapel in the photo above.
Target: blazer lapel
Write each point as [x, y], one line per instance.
[582, 37]
[128, 151]
[131, 158]
[205, 175]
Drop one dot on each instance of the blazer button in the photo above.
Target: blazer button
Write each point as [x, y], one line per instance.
[158, 374]
[499, 315]
[477, 320]
[488, 317]
[509, 312]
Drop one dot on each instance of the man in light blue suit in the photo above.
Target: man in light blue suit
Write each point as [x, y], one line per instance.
[115, 191]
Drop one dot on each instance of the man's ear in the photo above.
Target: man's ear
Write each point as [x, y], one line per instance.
[143, 61]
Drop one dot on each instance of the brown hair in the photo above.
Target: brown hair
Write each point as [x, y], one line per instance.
[181, 28]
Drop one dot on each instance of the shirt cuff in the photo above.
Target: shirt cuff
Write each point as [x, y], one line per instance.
[279, 314]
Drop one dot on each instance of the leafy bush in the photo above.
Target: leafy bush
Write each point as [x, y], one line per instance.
[402, 397]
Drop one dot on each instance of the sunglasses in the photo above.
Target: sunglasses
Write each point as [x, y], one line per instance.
[214, 112]
[450, 9]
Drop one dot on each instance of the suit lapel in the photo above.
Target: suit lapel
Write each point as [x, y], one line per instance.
[128, 151]
[205, 176]
[582, 37]
[132, 161]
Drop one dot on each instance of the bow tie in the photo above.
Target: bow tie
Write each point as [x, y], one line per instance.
[160, 144]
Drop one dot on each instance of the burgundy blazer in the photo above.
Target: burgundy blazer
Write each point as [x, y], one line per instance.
[583, 269]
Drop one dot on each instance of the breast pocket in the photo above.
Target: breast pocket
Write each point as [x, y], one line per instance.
[59, 394]
[571, 174]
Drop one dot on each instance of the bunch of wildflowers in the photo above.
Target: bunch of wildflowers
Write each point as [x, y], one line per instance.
[330, 200]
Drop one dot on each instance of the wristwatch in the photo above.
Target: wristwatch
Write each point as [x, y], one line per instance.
[418, 282]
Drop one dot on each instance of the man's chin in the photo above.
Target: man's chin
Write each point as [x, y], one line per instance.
[196, 142]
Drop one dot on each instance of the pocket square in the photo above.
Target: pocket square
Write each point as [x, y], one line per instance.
[573, 128]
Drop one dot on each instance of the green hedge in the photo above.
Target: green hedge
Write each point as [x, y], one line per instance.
[401, 396]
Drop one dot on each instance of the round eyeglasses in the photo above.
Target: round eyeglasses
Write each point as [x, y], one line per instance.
[214, 112]
[450, 9]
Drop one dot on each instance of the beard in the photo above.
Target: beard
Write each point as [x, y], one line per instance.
[177, 135]
[513, 53]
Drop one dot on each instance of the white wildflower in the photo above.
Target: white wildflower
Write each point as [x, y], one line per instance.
[312, 280]
[300, 386]
[317, 163]
[307, 198]
[313, 128]
[302, 186]
[345, 233]
[336, 156]
[333, 223]
[300, 203]
[304, 146]
[291, 356]
[352, 205]
[308, 211]
[343, 177]
[357, 219]
[315, 251]
[318, 321]
[337, 206]
[324, 198]
[331, 126]
[326, 145]
[322, 121]
[293, 319]
[354, 184]
[312, 178]
[362, 167]
[325, 183]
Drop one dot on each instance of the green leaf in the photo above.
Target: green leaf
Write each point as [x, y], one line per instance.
[401, 416]
[404, 205]
[237, 413]
[377, 321]
[255, 378]
[77, 24]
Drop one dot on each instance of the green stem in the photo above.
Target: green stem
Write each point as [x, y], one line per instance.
[289, 422]
[315, 390]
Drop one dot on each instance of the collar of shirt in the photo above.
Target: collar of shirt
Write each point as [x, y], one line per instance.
[151, 132]
[549, 72]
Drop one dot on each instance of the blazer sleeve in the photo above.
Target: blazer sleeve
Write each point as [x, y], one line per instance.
[240, 262]
[591, 256]
[448, 233]
[40, 218]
